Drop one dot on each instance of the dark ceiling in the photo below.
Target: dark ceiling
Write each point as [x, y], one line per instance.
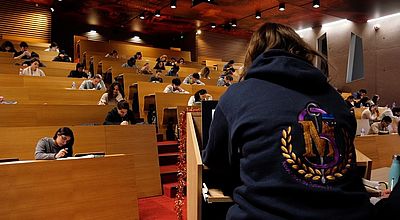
[298, 14]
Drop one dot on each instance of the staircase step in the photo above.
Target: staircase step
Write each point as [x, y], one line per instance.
[169, 173]
[167, 147]
[169, 169]
[168, 158]
[170, 189]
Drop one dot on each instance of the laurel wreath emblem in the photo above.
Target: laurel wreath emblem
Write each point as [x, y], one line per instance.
[309, 173]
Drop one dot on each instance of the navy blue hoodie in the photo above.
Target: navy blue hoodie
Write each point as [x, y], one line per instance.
[282, 140]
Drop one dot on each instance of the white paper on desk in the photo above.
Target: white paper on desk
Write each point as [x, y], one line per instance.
[76, 158]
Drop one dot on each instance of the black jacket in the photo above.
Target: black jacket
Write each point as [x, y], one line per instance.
[283, 140]
[77, 74]
[113, 118]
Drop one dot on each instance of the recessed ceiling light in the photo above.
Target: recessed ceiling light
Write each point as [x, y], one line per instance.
[213, 25]
[282, 6]
[173, 3]
[258, 15]
[316, 3]
[234, 24]
[157, 14]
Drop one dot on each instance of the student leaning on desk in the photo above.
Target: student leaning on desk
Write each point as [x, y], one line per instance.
[120, 115]
[59, 146]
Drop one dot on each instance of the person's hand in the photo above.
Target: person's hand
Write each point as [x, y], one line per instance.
[26, 53]
[385, 193]
[124, 123]
[61, 153]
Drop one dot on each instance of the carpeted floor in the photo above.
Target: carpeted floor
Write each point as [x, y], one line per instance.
[158, 208]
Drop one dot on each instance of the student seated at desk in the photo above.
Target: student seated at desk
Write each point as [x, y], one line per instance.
[371, 113]
[175, 87]
[52, 47]
[199, 96]
[57, 147]
[78, 72]
[381, 127]
[95, 83]
[157, 77]
[7, 46]
[112, 96]
[62, 57]
[120, 115]
[33, 69]
[193, 79]
[23, 53]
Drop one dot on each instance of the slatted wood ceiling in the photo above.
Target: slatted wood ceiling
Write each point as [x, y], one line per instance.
[221, 46]
[19, 18]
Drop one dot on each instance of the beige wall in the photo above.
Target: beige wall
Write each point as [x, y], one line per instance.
[381, 56]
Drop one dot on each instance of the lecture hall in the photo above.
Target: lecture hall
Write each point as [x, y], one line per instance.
[199, 109]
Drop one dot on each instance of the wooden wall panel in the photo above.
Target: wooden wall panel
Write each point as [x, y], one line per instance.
[220, 46]
[19, 18]
[381, 48]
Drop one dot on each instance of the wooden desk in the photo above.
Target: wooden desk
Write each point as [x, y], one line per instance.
[51, 115]
[33, 95]
[138, 140]
[380, 148]
[98, 188]
[364, 161]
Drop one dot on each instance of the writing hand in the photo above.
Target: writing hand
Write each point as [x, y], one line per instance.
[61, 153]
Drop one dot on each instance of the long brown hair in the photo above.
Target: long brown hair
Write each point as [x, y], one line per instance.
[277, 36]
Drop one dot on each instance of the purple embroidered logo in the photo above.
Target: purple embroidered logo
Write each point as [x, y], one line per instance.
[321, 162]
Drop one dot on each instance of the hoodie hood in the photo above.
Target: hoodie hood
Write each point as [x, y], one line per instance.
[288, 70]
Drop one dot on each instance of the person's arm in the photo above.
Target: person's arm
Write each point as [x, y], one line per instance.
[20, 56]
[222, 161]
[186, 80]
[168, 89]
[102, 86]
[83, 86]
[119, 97]
[111, 120]
[191, 101]
[200, 83]
[25, 72]
[373, 129]
[40, 152]
[103, 99]
[41, 73]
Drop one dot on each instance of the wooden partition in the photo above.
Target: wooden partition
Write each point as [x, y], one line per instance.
[99, 188]
[48, 82]
[138, 140]
[127, 49]
[14, 70]
[380, 148]
[34, 95]
[215, 91]
[194, 168]
[146, 88]
[167, 100]
[47, 115]
[61, 65]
